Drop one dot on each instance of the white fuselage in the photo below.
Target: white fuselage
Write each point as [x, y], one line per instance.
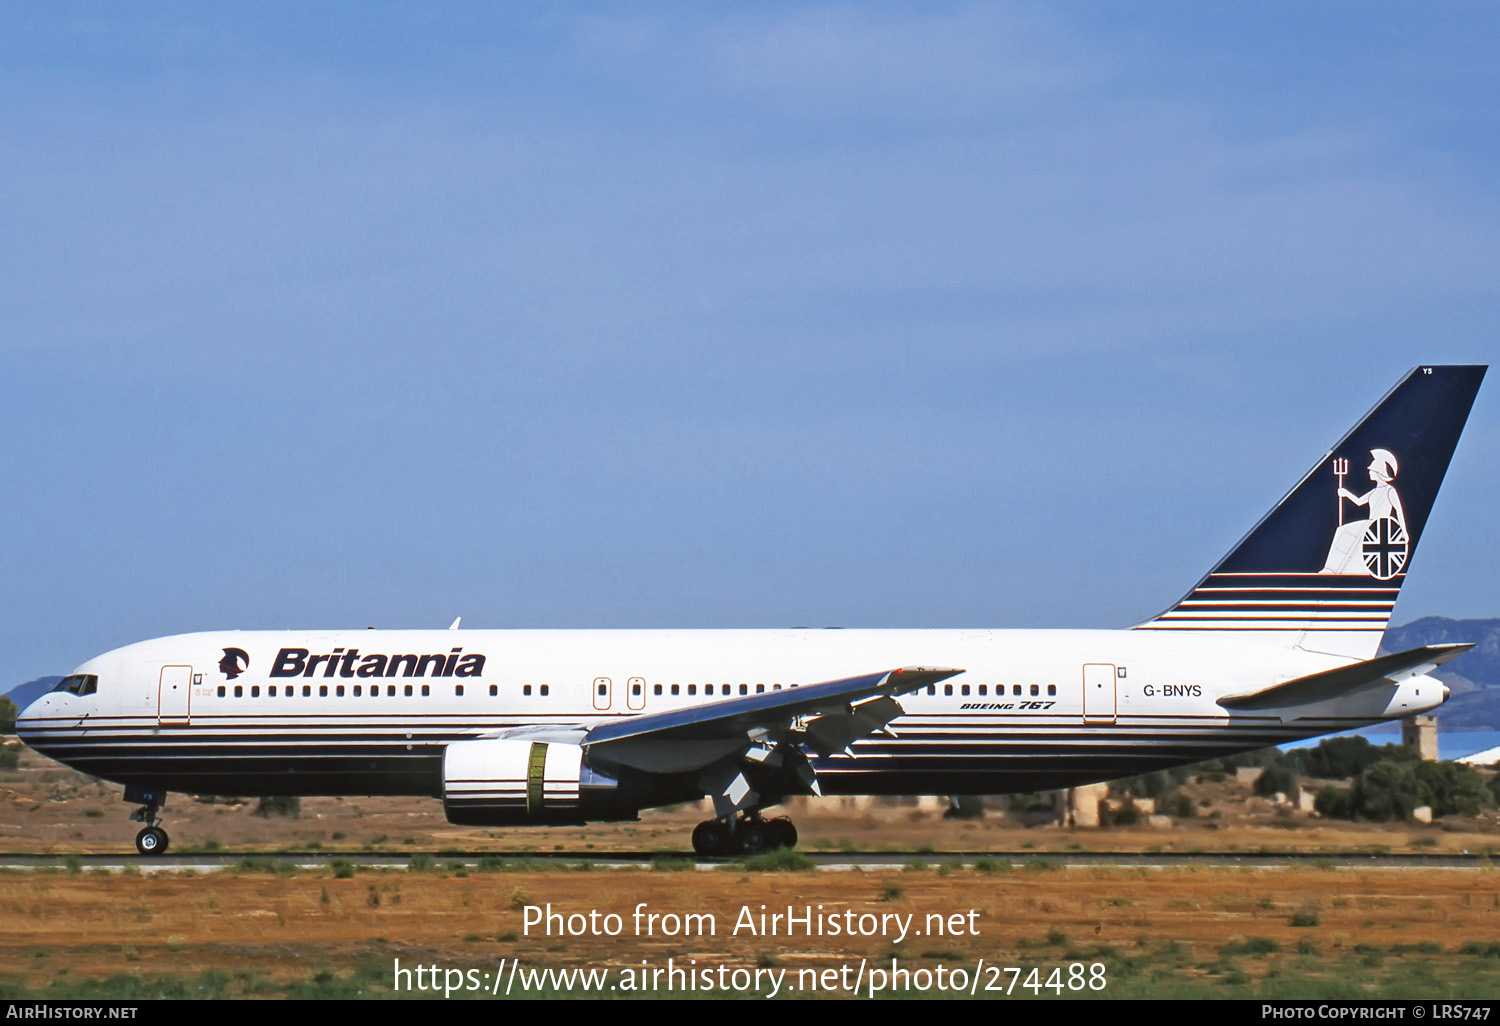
[1034, 709]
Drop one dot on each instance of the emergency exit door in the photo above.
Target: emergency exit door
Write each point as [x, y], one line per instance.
[1099, 692]
[174, 694]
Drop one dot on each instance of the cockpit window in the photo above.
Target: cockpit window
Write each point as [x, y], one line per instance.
[78, 684]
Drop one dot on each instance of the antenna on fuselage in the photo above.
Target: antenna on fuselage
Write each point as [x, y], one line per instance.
[456, 621]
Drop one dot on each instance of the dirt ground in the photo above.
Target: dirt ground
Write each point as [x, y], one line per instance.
[1329, 928]
[45, 807]
[338, 931]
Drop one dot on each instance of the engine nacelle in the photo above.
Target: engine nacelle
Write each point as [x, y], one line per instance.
[513, 782]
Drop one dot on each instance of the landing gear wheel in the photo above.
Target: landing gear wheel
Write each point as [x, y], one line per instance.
[709, 837]
[151, 841]
[751, 838]
[780, 833]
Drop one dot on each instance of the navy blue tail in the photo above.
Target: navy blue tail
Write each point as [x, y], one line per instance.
[1324, 567]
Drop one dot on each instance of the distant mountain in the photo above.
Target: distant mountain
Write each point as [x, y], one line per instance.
[1481, 664]
[24, 694]
[1474, 677]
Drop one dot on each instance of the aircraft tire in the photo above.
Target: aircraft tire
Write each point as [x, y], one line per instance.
[781, 832]
[151, 841]
[710, 837]
[751, 839]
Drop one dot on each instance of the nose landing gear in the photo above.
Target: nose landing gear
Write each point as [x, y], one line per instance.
[152, 840]
[743, 835]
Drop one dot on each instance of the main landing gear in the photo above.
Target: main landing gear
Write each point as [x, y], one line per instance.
[743, 835]
[152, 840]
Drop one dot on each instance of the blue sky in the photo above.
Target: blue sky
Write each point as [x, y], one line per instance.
[715, 315]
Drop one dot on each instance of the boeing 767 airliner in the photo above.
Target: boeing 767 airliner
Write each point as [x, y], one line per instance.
[1278, 642]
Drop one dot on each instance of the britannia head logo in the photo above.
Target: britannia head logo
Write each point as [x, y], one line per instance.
[235, 662]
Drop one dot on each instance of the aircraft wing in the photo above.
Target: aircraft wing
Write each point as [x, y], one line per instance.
[1337, 683]
[739, 749]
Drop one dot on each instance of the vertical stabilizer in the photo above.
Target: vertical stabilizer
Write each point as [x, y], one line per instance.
[1323, 569]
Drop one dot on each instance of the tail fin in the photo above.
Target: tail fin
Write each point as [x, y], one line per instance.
[1322, 570]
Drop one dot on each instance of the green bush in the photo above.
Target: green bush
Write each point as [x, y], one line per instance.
[1343, 758]
[1452, 789]
[1179, 805]
[285, 805]
[8, 713]
[1392, 789]
[1334, 802]
[1275, 779]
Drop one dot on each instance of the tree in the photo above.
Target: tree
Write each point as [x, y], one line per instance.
[8, 713]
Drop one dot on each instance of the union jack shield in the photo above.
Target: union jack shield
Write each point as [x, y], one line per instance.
[1384, 548]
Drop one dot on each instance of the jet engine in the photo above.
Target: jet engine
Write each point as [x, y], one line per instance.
[516, 781]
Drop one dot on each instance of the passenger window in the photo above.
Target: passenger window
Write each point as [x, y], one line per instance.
[525, 689]
[981, 689]
[255, 691]
[458, 689]
[495, 690]
[1035, 690]
[339, 691]
[947, 689]
[692, 689]
[408, 691]
[676, 689]
[322, 690]
[221, 691]
[544, 691]
[1051, 690]
[656, 690]
[239, 692]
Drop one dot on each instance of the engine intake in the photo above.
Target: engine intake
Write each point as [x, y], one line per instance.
[513, 782]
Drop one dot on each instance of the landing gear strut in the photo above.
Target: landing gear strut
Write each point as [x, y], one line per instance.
[743, 835]
[152, 840]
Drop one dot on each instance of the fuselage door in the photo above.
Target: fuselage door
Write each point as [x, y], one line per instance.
[635, 693]
[173, 694]
[1098, 692]
[601, 693]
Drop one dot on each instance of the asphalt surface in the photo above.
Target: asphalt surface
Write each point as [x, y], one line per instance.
[209, 861]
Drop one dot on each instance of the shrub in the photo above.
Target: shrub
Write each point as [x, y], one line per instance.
[1452, 789]
[8, 713]
[1275, 779]
[285, 805]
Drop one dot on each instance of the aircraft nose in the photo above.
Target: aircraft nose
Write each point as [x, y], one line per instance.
[27, 718]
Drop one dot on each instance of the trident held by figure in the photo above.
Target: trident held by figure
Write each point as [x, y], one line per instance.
[1340, 468]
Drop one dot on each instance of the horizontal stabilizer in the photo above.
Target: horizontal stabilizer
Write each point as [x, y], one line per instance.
[1332, 684]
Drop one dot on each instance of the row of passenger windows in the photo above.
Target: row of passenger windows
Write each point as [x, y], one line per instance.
[1015, 690]
[358, 690]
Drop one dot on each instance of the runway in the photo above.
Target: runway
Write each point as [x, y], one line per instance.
[824, 861]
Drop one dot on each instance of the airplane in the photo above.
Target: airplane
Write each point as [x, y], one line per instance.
[1278, 642]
